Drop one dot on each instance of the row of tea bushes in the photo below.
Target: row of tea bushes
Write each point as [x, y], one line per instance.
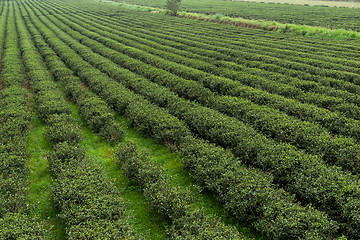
[254, 77]
[16, 220]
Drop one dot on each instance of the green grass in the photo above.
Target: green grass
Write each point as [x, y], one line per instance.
[41, 180]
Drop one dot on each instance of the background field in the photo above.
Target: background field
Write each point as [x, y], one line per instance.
[329, 17]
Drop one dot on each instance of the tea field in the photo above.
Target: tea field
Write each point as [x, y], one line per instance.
[121, 124]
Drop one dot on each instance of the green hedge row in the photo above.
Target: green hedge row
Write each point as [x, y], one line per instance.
[197, 45]
[15, 120]
[225, 32]
[244, 191]
[12, 72]
[301, 13]
[339, 150]
[89, 204]
[111, 92]
[329, 102]
[145, 117]
[16, 221]
[267, 43]
[306, 137]
[187, 222]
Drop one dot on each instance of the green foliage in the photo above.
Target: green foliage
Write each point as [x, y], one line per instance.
[103, 230]
[244, 141]
[173, 6]
[15, 117]
[13, 194]
[65, 153]
[21, 226]
[62, 129]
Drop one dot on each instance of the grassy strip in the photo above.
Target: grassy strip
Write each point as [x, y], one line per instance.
[304, 30]
[41, 181]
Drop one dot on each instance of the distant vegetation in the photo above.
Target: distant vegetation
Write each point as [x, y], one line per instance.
[328, 17]
[173, 6]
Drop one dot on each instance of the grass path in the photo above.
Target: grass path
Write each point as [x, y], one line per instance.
[146, 221]
[41, 180]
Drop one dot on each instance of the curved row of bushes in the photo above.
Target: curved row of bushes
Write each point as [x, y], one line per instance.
[339, 150]
[287, 52]
[146, 118]
[16, 220]
[89, 204]
[331, 17]
[163, 22]
[238, 36]
[221, 49]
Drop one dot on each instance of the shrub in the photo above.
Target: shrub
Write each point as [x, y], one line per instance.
[21, 226]
[173, 6]
[62, 128]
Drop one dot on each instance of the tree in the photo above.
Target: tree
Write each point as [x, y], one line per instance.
[173, 6]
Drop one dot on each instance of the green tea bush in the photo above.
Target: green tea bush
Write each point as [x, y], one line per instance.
[62, 128]
[21, 226]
